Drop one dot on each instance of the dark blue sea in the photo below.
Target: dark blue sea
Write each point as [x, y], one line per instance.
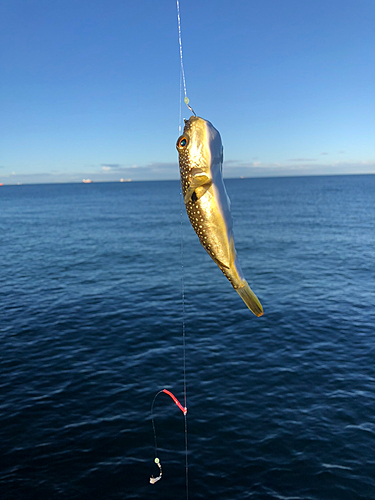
[91, 320]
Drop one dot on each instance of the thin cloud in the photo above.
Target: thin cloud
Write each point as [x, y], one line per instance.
[153, 171]
[240, 164]
[108, 166]
[260, 169]
[324, 153]
[163, 166]
[301, 159]
[233, 162]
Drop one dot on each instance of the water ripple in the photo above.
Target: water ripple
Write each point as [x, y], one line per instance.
[280, 407]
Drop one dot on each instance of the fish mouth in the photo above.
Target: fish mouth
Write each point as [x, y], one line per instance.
[191, 118]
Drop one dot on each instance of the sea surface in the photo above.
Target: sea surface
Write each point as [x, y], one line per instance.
[91, 322]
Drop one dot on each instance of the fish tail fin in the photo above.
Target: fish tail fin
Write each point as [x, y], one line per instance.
[250, 299]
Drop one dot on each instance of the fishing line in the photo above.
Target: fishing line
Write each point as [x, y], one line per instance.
[186, 99]
[157, 461]
[184, 345]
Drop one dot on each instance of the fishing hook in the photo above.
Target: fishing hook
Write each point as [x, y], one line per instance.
[186, 101]
[153, 479]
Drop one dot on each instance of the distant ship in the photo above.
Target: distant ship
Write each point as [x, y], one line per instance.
[87, 181]
[125, 180]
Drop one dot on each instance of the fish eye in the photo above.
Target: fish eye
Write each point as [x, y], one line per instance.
[182, 142]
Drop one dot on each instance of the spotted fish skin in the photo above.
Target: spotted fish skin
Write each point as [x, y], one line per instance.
[207, 204]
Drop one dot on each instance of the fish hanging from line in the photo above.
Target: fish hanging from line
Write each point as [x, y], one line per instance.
[207, 204]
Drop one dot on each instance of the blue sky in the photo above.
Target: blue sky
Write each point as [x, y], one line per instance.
[91, 89]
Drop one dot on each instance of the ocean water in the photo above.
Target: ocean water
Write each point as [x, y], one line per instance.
[91, 318]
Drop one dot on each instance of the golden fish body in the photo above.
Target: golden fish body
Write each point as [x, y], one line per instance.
[207, 204]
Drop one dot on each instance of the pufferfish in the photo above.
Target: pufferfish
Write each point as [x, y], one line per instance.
[207, 204]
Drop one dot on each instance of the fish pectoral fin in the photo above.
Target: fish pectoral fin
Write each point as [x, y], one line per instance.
[200, 180]
[200, 191]
[189, 193]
